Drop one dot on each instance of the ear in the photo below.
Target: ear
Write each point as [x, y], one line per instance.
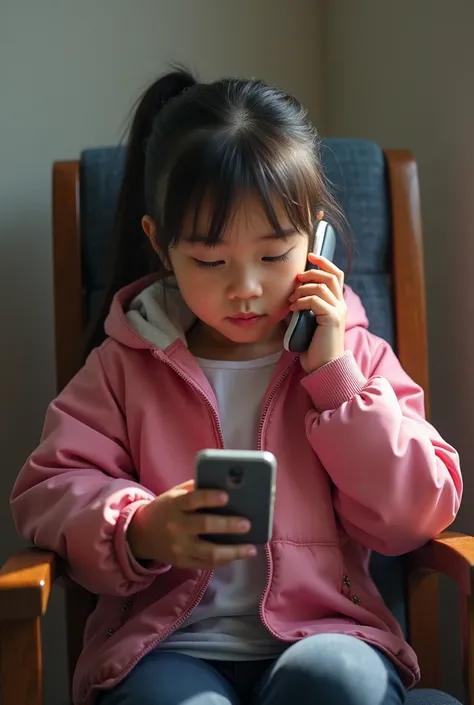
[320, 215]
[149, 228]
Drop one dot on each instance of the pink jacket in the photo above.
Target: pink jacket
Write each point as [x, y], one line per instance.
[359, 470]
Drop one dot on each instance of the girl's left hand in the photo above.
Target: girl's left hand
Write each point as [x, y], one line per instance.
[321, 291]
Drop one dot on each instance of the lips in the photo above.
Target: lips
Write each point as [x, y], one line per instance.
[245, 316]
[246, 320]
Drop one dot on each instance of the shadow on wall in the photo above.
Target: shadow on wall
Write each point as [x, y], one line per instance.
[26, 373]
[27, 385]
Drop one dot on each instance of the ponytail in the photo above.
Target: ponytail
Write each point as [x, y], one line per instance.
[133, 257]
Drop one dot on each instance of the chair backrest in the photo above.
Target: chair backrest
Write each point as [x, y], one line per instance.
[380, 196]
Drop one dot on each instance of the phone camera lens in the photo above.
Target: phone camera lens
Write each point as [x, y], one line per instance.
[236, 476]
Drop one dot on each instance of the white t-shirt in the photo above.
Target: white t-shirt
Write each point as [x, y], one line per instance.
[226, 624]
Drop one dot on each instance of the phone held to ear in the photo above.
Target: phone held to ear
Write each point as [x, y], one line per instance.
[249, 479]
[301, 329]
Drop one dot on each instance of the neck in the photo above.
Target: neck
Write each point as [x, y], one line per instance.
[207, 343]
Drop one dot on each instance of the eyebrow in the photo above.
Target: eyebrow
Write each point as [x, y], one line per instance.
[283, 234]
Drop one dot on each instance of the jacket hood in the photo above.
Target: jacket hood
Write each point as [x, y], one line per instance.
[152, 313]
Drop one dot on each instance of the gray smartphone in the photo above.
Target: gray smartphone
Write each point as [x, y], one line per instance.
[302, 326]
[249, 478]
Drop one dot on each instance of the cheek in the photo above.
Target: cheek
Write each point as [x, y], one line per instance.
[284, 282]
[197, 289]
[301, 256]
[282, 286]
[286, 278]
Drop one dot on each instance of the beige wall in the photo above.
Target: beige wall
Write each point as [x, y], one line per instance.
[401, 73]
[69, 74]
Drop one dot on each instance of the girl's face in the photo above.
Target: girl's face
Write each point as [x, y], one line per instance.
[239, 288]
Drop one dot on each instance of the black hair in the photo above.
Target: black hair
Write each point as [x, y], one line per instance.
[223, 139]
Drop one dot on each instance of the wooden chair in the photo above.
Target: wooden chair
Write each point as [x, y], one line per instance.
[380, 195]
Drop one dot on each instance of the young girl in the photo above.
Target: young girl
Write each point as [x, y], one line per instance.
[226, 182]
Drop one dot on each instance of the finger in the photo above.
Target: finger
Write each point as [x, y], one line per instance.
[183, 489]
[327, 266]
[320, 290]
[321, 309]
[182, 557]
[328, 278]
[202, 499]
[212, 524]
[188, 485]
[318, 275]
[212, 554]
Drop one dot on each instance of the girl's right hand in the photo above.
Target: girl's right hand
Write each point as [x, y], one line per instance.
[167, 530]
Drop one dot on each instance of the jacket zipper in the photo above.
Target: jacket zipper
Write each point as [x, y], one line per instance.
[218, 429]
[172, 629]
[217, 424]
[156, 353]
[267, 550]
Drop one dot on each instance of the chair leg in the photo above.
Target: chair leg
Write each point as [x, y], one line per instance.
[467, 629]
[423, 618]
[21, 672]
[79, 606]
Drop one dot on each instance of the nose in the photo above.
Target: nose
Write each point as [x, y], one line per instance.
[244, 284]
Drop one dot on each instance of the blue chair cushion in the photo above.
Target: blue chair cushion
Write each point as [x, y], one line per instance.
[356, 171]
[101, 172]
[429, 697]
[357, 174]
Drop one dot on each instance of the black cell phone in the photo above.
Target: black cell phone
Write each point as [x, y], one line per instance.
[302, 326]
[249, 479]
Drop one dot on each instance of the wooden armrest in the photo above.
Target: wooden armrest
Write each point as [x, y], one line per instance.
[450, 554]
[25, 583]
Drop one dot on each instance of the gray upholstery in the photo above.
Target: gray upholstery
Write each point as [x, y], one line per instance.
[357, 174]
[423, 696]
[100, 176]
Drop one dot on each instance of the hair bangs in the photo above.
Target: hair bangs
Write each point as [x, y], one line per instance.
[215, 172]
[287, 177]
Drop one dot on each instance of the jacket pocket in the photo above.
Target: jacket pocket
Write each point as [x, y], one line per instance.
[306, 581]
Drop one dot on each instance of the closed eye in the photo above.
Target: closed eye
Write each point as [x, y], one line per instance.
[202, 264]
[207, 265]
[280, 258]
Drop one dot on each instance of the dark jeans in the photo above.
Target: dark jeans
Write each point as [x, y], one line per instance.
[326, 669]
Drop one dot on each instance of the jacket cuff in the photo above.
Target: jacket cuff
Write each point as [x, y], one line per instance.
[133, 569]
[335, 383]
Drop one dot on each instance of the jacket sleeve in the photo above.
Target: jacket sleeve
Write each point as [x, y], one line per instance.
[77, 493]
[397, 483]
